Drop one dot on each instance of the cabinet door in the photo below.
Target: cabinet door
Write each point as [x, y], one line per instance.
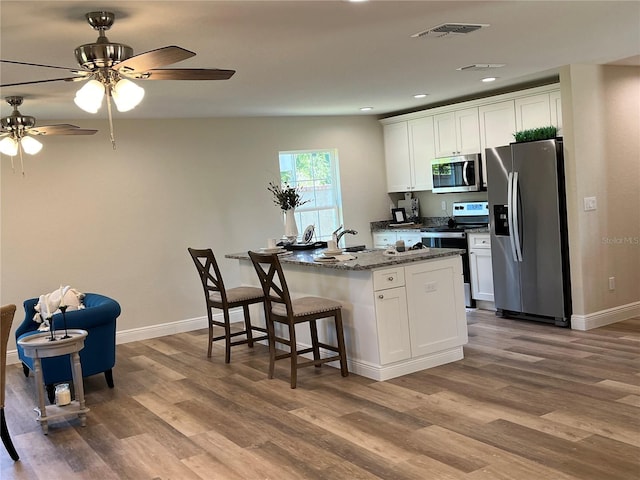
[480, 266]
[533, 112]
[468, 130]
[435, 299]
[457, 132]
[444, 127]
[393, 325]
[556, 110]
[397, 157]
[497, 126]
[481, 274]
[422, 151]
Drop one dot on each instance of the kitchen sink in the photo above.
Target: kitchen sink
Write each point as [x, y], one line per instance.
[357, 248]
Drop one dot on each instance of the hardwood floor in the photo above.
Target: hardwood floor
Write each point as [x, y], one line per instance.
[529, 401]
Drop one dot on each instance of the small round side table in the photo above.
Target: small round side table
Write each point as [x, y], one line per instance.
[40, 346]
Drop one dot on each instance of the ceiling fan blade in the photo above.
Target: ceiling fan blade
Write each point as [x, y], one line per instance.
[65, 79]
[38, 65]
[188, 74]
[63, 129]
[154, 58]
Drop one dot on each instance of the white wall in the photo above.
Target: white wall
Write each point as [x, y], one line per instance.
[601, 115]
[119, 222]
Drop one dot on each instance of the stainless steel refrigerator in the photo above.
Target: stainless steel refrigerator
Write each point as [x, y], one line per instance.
[528, 223]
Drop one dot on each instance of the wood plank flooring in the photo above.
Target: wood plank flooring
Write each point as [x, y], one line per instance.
[529, 401]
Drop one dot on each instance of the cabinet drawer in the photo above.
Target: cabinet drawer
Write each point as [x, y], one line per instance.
[388, 278]
[384, 239]
[479, 241]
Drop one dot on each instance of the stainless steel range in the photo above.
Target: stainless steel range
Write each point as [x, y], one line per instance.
[466, 216]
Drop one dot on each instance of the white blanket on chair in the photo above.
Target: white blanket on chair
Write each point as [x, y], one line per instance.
[49, 304]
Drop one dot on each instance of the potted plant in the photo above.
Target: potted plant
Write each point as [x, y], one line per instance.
[288, 198]
[532, 134]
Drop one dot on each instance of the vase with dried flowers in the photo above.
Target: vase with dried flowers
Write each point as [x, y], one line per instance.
[287, 198]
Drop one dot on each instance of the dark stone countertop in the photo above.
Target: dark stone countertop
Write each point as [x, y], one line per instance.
[366, 260]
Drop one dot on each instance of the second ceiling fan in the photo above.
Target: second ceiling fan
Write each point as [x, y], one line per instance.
[109, 67]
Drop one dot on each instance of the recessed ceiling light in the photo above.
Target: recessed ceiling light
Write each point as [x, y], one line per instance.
[366, 109]
[489, 79]
[420, 95]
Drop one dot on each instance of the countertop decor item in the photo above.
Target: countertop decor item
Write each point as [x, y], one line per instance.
[287, 198]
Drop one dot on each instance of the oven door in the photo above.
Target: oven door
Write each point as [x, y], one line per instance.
[453, 240]
[456, 174]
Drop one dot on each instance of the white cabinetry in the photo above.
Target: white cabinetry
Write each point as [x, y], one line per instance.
[409, 238]
[409, 149]
[533, 112]
[457, 132]
[435, 291]
[431, 292]
[556, 110]
[480, 265]
[497, 126]
[391, 315]
[385, 238]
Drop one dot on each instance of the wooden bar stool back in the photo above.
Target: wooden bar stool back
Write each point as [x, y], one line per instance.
[221, 298]
[6, 319]
[282, 309]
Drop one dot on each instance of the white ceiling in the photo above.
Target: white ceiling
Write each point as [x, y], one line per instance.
[314, 57]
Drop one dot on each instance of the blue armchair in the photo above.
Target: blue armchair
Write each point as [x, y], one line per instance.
[98, 318]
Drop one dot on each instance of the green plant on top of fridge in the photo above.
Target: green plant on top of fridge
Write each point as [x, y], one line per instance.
[542, 133]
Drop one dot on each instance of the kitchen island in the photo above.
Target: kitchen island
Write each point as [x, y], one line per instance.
[402, 313]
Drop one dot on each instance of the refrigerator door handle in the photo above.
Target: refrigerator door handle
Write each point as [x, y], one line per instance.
[465, 165]
[516, 219]
[510, 216]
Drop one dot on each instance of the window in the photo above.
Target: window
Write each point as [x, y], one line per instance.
[315, 173]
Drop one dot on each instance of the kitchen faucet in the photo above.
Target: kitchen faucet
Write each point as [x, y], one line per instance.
[337, 236]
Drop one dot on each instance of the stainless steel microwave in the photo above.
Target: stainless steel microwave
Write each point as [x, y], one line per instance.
[458, 173]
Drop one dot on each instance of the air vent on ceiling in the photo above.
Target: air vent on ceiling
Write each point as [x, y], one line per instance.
[480, 67]
[450, 29]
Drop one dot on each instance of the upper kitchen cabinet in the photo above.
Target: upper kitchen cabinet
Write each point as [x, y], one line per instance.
[409, 149]
[539, 111]
[411, 140]
[556, 110]
[457, 132]
[497, 126]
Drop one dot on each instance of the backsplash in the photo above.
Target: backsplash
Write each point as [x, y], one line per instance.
[424, 222]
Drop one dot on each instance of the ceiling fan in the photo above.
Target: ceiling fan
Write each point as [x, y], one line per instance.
[17, 132]
[109, 67]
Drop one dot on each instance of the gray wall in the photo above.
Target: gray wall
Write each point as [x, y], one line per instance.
[119, 222]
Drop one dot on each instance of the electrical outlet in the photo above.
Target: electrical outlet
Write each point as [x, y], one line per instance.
[430, 287]
[590, 203]
[612, 283]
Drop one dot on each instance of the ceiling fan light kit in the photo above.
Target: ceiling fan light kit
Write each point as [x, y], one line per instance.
[108, 66]
[18, 131]
[89, 97]
[9, 146]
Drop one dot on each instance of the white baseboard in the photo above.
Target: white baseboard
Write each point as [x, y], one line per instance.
[605, 317]
[154, 331]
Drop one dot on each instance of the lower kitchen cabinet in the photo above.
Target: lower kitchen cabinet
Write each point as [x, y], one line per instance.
[435, 292]
[432, 318]
[398, 319]
[480, 266]
[393, 324]
[385, 238]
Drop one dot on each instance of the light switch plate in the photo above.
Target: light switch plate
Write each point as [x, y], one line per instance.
[590, 203]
